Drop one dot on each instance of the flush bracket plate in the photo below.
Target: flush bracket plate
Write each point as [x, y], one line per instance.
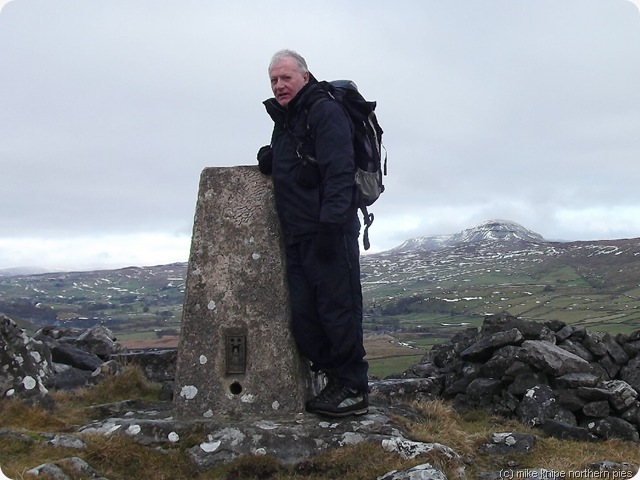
[236, 352]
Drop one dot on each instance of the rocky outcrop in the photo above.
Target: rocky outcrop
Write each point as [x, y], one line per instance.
[26, 363]
[573, 383]
[292, 438]
[64, 359]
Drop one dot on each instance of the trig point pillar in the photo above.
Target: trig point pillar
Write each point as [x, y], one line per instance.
[236, 354]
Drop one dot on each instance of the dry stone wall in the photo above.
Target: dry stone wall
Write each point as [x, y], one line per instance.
[572, 382]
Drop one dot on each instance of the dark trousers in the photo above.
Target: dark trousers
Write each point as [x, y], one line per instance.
[326, 309]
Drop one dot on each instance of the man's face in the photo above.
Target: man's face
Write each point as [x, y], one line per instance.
[286, 80]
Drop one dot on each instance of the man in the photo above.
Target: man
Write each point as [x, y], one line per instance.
[312, 164]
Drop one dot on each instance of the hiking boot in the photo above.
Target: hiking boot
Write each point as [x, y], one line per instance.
[337, 400]
[331, 385]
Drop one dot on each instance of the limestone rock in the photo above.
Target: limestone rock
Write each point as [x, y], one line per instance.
[412, 389]
[614, 427]
[25, 365]
[507, 443]
[565, 431]
[630, 373]
[158, 365]
[483, 348]
[76, 357]
[551, 358]
[426, 471]
[539, 404]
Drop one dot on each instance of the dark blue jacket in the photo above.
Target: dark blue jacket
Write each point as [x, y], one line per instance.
[315, 125]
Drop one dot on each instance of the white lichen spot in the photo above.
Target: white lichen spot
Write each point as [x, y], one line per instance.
[105, 429]
[409, 449]
[275, 405]
[36, 356]
[110, 428]
[210, 446]
[211, 305]
[42, 388]
[29, 383]
[10, 392]
[247, 398]
[351, 438]
[267, 425]
[327, 425]
[19, 360]
[505, 438]
[65, 441]
[133, 429]
[208, 414]
[189, 392]
[231, 436]
[202, 359]
[256, 256]
[260, 451]
[173, 437]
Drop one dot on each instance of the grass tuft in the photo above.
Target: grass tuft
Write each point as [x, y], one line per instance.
[466, 431]
[16, 414]
[129, 383]
[121, 457]
[253, 467]
[349, 463]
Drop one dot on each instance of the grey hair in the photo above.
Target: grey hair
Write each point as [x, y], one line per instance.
[300, 61]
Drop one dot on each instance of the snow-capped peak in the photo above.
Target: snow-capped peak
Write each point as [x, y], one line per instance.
[489, 231]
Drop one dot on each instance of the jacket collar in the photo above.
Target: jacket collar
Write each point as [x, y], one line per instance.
[276, 110]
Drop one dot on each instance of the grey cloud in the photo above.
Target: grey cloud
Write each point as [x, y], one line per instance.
[492, 108]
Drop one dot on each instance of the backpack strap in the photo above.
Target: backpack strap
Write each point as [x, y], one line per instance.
[368, 220]
[303, 148]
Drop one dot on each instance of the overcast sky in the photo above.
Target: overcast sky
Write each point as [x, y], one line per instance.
[526, 110]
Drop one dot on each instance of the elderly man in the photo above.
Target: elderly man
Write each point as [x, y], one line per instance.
[312, 165]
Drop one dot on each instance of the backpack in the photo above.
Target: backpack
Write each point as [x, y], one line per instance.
[367, 146]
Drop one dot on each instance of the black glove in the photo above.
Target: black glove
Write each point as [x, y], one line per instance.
[327, 241]
[265, 159]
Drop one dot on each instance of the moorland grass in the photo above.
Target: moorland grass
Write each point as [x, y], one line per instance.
[25, 430]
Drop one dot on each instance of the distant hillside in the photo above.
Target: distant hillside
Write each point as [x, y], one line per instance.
[427, 288]
[136, 300]
[13, 272]
[435, 284]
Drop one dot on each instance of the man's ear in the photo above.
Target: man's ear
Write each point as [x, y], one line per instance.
[306, 77]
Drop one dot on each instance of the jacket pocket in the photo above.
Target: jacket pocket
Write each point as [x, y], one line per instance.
[307, 173]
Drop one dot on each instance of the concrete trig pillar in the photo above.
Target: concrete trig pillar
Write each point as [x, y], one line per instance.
[236, 353]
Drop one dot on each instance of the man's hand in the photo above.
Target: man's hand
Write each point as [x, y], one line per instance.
[265, 159]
